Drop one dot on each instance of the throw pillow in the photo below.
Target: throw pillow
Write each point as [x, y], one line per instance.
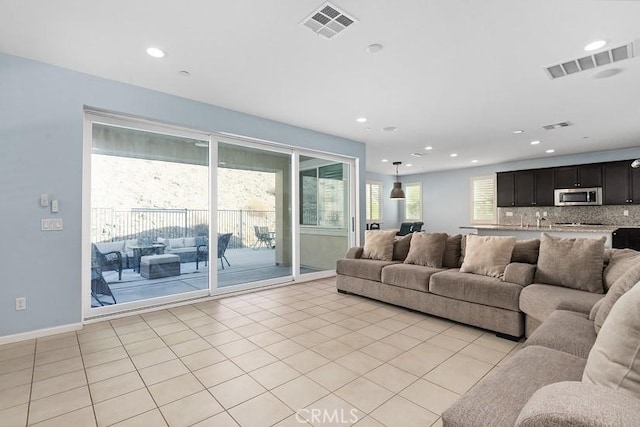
[619, 288]
[452, 251]
[572, 263]
[620, 261]
[463, 249]
[614, 360]
[526, 251]
[401, 247]
[487, 255]
[427, 249]
[378, 245]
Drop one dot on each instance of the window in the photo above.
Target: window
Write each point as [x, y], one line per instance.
[374, 201]
[483, 199]
[322, 196]
[413, 202]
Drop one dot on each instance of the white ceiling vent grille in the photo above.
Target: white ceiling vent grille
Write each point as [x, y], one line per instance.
[557, 125]
[328, 21]
[599, 59]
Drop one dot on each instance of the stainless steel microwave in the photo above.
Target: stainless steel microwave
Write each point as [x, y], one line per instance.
[578, 196]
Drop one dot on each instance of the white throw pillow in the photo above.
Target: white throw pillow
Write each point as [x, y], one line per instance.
[614, 360]
[378, 245]
[487, 255]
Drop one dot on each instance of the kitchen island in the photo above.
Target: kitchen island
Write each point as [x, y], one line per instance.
[533, 232]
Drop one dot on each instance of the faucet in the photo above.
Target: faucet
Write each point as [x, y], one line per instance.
[522, 220]
[539, 221]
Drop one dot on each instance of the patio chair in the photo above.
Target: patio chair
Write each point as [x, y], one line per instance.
[405, 228]
[202, 253]
[110, 261]
[264, 237]
[100, 288]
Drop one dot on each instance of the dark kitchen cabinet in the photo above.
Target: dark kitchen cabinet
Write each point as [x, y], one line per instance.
[578, 176]
[626, 238]
[621, 183]
[506, 189]
[534, 187]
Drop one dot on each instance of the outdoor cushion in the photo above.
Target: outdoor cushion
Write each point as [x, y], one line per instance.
[104, 247]
[401, 247]
[620, 261]
[619, 288]
[573, 263]
[408, 276]
[378, 245]
[487, 255]
[526, 251]
[427, 249]
[176, 243]
[614, 361]
[498, 399]
[452, 251]
[476, 288]
[566, 331]
[539, 301]
[159, 259]
[189, 241]
[362, 268]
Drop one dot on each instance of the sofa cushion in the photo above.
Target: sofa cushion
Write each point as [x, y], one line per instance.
[526, 251]
[594, 310]
[500, 396]
[427, 249]
[105, 247]
[408, 276]
[572, 263]
[620, 261]
[363, 268]
[378, 245]
[614, 361]
[487, 255]
[189, 242]
[476, 288]
[401, 247]
[619, 288]
[175, 243]
[452, 252]
[566, 331]
[539, 301]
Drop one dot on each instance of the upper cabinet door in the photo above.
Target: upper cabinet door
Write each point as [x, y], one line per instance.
[616, 183]
[506, 189]
[544, 187]
[590, 175]
[566, 177]
[525, 188]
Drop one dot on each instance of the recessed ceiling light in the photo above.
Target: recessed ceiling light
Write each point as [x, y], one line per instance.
[367, 128]
[155, 52]
[385, 160]
[474, 161]
[518, 131]
[409, 165]
[361, 119]
[535, 142]
[595, 45]
[374, 48]
[389, 129]
[416, 154]
[551, 150]
[428, 147]
[605, 74]
[453, 155]
[184, 73]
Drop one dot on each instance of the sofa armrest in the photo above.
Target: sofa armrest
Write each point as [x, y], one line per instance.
[354, 253]
[519, 273]
[573, 403]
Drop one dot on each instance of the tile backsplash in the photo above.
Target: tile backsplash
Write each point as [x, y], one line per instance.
[607, 215]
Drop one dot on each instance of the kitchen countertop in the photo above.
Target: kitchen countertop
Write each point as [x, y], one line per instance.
[553, 227]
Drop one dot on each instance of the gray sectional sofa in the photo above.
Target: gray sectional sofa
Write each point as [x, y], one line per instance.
[555, 293]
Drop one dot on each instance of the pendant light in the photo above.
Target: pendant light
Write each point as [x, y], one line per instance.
[397, 193]
[635, 164]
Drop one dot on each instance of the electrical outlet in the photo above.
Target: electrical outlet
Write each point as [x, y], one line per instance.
[625, 212]
[544, 214]
[509, 213]
[21, 303]
[538, 214]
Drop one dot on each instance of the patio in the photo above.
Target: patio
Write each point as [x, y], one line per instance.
[247, 265]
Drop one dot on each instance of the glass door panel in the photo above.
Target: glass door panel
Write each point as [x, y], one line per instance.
[325, 219]
[149, 216]
[254, 215]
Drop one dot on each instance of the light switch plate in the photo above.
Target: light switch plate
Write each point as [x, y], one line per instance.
[44, 200]
[54, 206]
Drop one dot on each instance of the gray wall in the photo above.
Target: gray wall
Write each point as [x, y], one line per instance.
[446, 200]
[41, 120]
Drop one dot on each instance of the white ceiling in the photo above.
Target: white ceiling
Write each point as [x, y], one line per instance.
[458, 75]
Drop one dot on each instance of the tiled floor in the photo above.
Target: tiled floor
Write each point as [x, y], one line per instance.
[272, 357]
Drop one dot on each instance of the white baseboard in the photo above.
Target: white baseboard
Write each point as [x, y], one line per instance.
[39, 333]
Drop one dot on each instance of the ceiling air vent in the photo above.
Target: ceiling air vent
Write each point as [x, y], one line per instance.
[328, 21]
[599, 59]
[557, 125]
